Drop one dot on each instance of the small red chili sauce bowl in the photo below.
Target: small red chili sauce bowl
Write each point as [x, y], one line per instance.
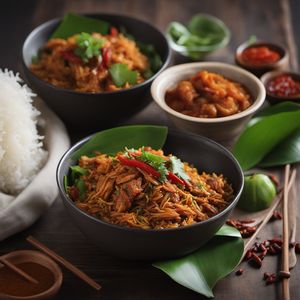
[261, 57]
[35, 264]
[282, 86]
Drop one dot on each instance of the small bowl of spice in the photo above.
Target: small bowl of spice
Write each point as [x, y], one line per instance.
[261, 57]
[46, 276]
[282, 86]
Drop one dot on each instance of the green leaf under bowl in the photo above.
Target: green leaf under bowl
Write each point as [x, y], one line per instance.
[74, 24]
[201, 270]
[113, 140]
[272, 128]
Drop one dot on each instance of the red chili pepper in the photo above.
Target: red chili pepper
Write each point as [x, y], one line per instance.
[114, 31]
[71, 57]
[175, 179]
[106, 56]
[138, 164]
[145, 167]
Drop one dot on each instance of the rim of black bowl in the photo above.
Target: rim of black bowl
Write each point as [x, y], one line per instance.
[56, 20]
[146, 231]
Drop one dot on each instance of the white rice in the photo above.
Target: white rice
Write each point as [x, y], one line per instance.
[21, 153]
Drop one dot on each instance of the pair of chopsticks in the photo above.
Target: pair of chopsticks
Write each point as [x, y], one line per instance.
[17, 270]
[285, 272]
[64, 262]
[276, 202]
[54, 256]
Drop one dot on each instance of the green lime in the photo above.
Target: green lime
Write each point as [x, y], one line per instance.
[258, 193]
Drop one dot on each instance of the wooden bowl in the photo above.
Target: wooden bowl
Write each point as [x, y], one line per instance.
[272, 98]
[21, 256]
[259, 70]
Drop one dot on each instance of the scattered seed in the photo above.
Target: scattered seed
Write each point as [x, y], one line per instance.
[277, 215]
[239, 272]
[277, 248]
[255, 261]
[273, 278]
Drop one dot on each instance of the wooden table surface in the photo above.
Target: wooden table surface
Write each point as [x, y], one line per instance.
[269, 20]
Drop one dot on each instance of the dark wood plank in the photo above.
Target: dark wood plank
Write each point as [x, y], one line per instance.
[268, 20]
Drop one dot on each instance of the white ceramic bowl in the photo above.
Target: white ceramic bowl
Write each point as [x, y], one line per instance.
[224, 129]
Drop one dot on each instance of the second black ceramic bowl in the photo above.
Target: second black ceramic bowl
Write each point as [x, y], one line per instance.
[92, 111]
[140, 244]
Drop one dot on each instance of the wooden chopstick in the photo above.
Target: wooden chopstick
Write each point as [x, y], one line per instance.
[18, 270]
[269, 214]
[285, 273]
[64, 262]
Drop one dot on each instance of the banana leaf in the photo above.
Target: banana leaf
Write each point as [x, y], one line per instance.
[287, 152]
[268, 132]
[272, 110]
[201, 270]
[113, 140]
[74, 24]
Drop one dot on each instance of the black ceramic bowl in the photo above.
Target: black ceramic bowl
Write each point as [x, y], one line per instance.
[91, 111]
[140, 244]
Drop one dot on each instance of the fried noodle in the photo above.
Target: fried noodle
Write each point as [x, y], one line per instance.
[129, 196]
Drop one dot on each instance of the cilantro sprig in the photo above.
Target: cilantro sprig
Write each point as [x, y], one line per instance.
[155, 161]
[88, 46]
[121, 74]
[178, 169]
[160, 164]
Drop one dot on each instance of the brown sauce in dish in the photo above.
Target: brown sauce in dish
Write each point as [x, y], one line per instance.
[208, 95]
[14, 285]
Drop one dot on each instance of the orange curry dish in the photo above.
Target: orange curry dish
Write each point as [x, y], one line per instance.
[208, 95]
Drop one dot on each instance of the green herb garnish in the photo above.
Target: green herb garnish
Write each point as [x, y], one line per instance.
[155, 61]
[121, 74]
[202, 35]
[178, 169]
[88, 46]
[81, 187]
[66, 183]
[77, 171]
[34, 59]
[155, 161]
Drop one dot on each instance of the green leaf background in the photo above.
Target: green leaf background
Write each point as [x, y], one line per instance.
[272, 135]
[201, 270]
